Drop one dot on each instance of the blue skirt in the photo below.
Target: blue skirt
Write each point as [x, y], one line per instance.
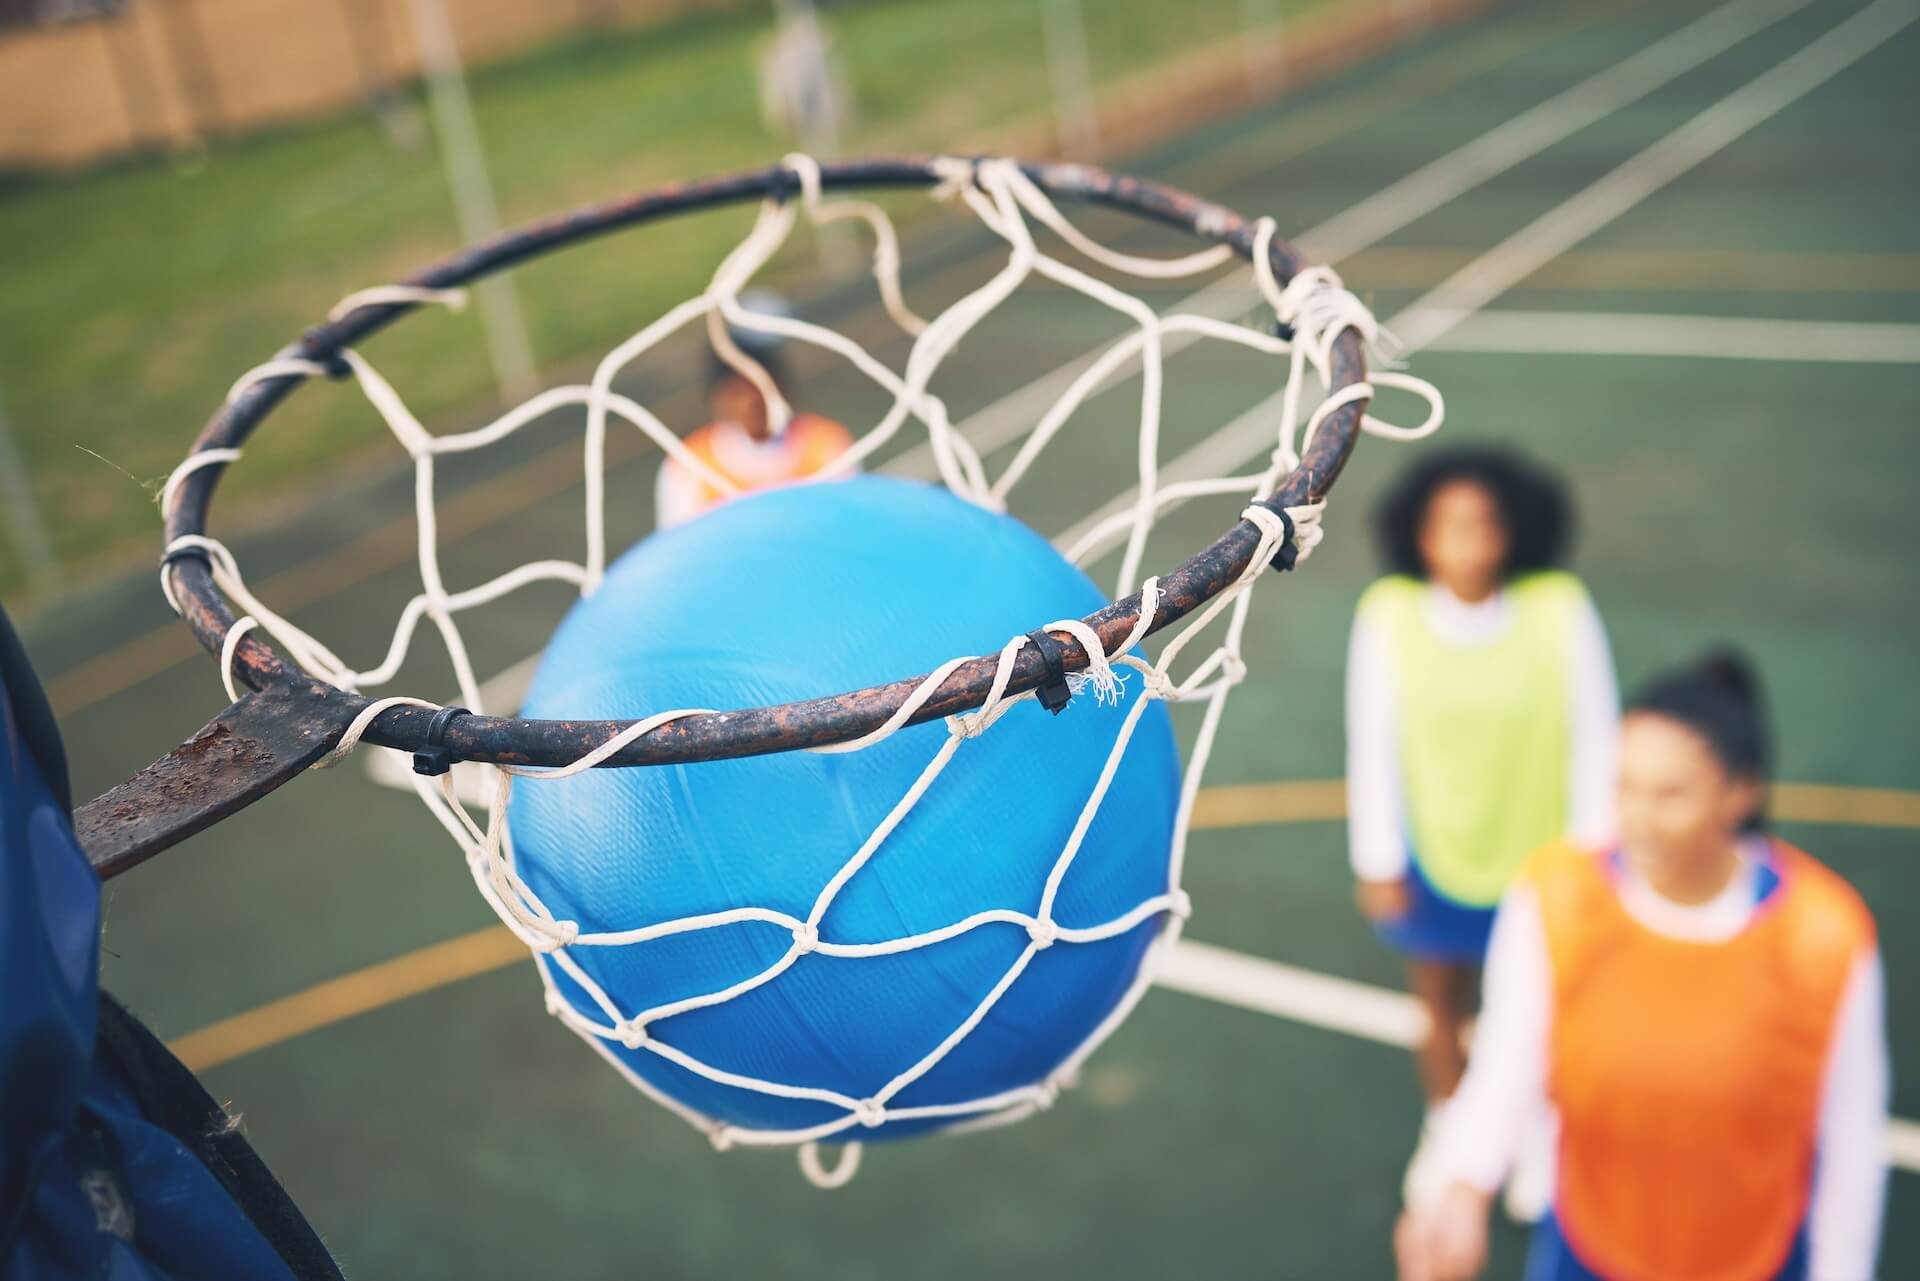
[1437, 928]
[1550, 1258]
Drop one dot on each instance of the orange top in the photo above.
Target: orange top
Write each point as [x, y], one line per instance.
[1688, 1075]
[809, 443]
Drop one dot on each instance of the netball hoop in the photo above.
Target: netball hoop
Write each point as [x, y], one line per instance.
[297, 703]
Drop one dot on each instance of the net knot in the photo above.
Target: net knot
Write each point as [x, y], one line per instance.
[1233, 669]
[1313, 307]
[557, 935]
[1316, 298]
[955, 174]
[1307, 531]
[556, 1004]
[1180, 904]
[633, 1033]
[806, 937]
[331, 360]
[871, 1113]
[1157, 684]
[1287, 534]
[1044, 934]
[721, 1136]
[967, 724]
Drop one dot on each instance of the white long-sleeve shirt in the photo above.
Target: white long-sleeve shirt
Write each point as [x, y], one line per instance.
[1506, 1081]
[1377, 830]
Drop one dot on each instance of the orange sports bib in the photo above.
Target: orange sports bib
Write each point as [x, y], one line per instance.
[1688, 1075]
[809, 444]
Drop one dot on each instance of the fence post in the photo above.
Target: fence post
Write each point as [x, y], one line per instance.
[473, 203]
[1075, 113]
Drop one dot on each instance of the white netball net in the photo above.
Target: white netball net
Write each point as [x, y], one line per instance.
[1313, 306]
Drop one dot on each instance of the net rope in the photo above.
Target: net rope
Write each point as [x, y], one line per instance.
[1313, 309]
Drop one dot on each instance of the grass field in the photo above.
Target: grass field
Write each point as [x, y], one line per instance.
[136, 293]
[1725, 186]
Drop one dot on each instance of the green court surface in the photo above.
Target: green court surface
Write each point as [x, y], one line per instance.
[1740, 482]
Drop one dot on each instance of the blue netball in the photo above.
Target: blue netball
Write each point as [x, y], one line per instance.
[795, 593]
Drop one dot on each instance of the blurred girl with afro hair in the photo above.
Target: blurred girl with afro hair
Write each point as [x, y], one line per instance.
[1482, 716]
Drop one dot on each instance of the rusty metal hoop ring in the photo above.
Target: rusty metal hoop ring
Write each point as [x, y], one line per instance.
[759, 730]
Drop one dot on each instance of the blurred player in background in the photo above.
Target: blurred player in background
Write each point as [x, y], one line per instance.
[803, 88]
[1703, 1003]
[739, 441]
[1482, 717]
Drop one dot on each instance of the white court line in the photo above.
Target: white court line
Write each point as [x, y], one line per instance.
[1700, 139]
[1903, 1143]
[1290, 992]
[1401, 204]
[1528, 134]
[1450, 303]
[1587, 333]
[1357, 1009]
[1532, 333]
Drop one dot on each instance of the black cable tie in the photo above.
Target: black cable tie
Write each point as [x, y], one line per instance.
[189, 552]
[785, 184]
[1054, 692]
[328, 357]
[436, 758]
[1286, 556]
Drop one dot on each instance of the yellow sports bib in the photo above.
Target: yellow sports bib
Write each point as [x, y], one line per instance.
[1485, 740]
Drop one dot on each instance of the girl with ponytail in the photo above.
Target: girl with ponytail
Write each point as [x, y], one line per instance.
[1703, 1004]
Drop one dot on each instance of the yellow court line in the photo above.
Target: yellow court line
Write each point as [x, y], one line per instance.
[1260, 804]
[1305, 801]
[337, 1000]
[1239, 805]
[385, 546]
[389, 545]
[1846, 806]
